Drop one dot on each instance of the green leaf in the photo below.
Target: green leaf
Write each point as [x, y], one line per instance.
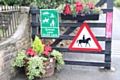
[19, 62]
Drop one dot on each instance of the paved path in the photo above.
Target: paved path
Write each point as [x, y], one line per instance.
[83, 73]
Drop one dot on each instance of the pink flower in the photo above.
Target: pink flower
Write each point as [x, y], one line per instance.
[45, 52]
[30, 52]
[67, 9]
[48, 48]
[90, 5]
[79, 7]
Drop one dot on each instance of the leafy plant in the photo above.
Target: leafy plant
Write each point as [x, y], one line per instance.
[35, 67]
[37, 45]
[34, 62]
[97, 10]
[59, 58]
[19, 62]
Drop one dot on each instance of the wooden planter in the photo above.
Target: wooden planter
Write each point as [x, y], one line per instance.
[79, 17]
[49, 67]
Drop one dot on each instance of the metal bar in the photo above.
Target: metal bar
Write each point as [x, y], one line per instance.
[109, 34]
[34, 19]
[37, 11]
[65, 33]
[67, 37]
[110, 4]
[73, 24]
[107, 10]
[87, 52]
[87, 63]
[101, 2]
[108, 53]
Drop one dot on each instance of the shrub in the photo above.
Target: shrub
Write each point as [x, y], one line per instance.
[117, 3]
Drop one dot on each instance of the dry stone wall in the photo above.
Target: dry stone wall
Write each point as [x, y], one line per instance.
[10, 48]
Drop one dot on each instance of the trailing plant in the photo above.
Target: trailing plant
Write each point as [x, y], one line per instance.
[59, 58]
[19, 62]
[36, 67]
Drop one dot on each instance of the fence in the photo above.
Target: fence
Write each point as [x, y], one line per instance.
[9, 16]
[72, 26]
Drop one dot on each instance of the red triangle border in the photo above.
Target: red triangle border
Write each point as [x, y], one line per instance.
[94, 39]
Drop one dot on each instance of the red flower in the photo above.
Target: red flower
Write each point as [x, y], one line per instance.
[49, 43]
[45, 52]
[79, 7]
[30, 52]
[48, 48]
[42, 42]
[67, 9]
[90, 5]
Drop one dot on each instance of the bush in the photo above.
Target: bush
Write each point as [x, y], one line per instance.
[42, 3]
[117, 3]
[15, 2]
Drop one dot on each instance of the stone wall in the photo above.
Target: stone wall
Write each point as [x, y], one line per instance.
[10, 48]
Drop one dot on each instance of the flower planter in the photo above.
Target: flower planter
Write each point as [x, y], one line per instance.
[49, 65]
[79, 17]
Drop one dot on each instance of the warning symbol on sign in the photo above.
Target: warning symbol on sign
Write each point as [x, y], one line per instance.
[85, 40]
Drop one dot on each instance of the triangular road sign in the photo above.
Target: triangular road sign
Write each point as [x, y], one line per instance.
[85, 40]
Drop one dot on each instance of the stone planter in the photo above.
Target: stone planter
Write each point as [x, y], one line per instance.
[79, 17]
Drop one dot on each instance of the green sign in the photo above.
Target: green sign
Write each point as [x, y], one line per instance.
[49, 21]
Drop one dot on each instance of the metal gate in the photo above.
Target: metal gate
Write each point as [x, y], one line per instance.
[34, 11]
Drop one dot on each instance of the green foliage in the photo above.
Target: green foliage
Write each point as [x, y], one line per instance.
[86, 1]
[43, 3]
[11, 2]
[73, 10]
[35, 67]
[86, 10]
[117, 3]
[59, 58]
[97, 10]
[19, 62]
[37, 45]
[52, 3]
